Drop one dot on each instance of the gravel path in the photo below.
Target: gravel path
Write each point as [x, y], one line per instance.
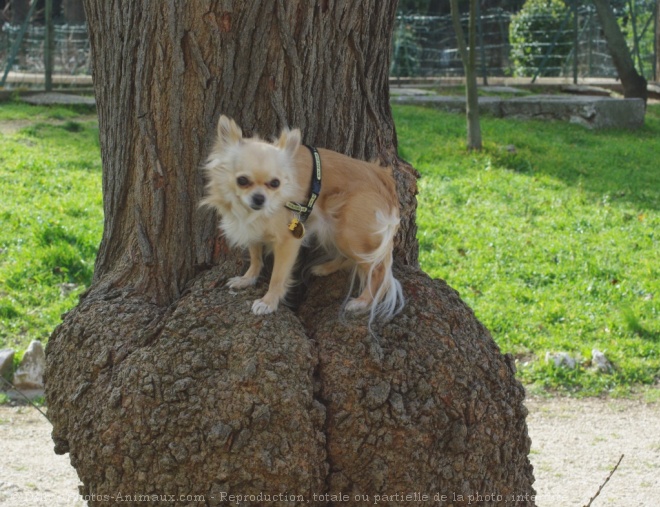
[31, 474]
[575, 444]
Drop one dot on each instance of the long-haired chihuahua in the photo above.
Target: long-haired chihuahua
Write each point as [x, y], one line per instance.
[275, 196]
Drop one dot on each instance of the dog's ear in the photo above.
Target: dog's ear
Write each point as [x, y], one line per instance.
[228, 131]
[289, 140]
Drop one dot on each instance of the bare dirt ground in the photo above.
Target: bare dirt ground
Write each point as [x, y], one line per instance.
[31, 474]
[575, 444]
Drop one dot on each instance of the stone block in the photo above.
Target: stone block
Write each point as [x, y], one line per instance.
[592, 112]
[589, 111]
[30, 373]
[6, 363]
[450, 104]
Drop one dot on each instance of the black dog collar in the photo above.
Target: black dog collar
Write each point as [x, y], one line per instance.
[303, 211]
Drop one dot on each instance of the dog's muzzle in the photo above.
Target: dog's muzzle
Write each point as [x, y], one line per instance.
[258, 201]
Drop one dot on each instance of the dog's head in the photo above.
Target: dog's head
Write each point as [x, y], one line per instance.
[251, 175]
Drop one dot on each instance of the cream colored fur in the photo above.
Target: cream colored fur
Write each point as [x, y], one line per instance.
[355, 217]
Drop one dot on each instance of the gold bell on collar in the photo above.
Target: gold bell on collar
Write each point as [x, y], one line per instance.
[297, 228]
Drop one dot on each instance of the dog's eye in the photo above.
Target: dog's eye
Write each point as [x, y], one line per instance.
[242, 181]
[274, 183]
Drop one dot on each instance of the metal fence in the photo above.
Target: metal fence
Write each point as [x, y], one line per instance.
[422, 46]
[425, 46]
[70, 51]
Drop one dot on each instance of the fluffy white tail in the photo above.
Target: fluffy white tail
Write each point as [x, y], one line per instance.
[388, 299]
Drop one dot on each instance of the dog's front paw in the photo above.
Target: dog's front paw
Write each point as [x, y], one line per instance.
[241, 282]
[261, 307]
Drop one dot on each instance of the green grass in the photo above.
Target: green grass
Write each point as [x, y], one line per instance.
[554, 243]
[12, 111]
[51, 220]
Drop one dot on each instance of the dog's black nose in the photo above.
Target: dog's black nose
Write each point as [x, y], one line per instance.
[258, 201]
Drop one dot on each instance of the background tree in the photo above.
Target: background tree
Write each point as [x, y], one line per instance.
[634, 85]
[657, 42]
[469, 59]
[73, 12]
[162, 381]
[19, 11]
[539, 26]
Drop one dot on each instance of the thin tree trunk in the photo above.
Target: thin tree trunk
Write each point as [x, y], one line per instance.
[468, 57]
[634, 85]
[74, 12]
[657, 42]
[19, 11]
[163, 382]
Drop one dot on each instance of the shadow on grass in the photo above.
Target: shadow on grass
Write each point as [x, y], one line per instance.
[614, 164]
[619, 165]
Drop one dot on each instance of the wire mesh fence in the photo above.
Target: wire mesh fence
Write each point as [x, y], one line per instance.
[71, 53]
[71, 48]
[422, 46]
[425, 46]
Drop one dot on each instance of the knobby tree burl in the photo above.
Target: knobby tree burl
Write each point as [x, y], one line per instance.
[163, 382]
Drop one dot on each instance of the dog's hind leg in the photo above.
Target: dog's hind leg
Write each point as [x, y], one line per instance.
[330, 267]
[371, 249]
[372, 279]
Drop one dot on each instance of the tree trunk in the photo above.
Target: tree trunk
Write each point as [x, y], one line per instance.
[74, 12]
[634, 85]
[163, 382]
[19, 11]
[469, 59]
[657, 43]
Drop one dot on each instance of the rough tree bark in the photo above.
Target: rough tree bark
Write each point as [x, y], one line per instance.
[634, 85]
[163, 382]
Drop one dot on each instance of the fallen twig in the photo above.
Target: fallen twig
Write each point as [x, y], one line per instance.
[13, 387]
[606, 480]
